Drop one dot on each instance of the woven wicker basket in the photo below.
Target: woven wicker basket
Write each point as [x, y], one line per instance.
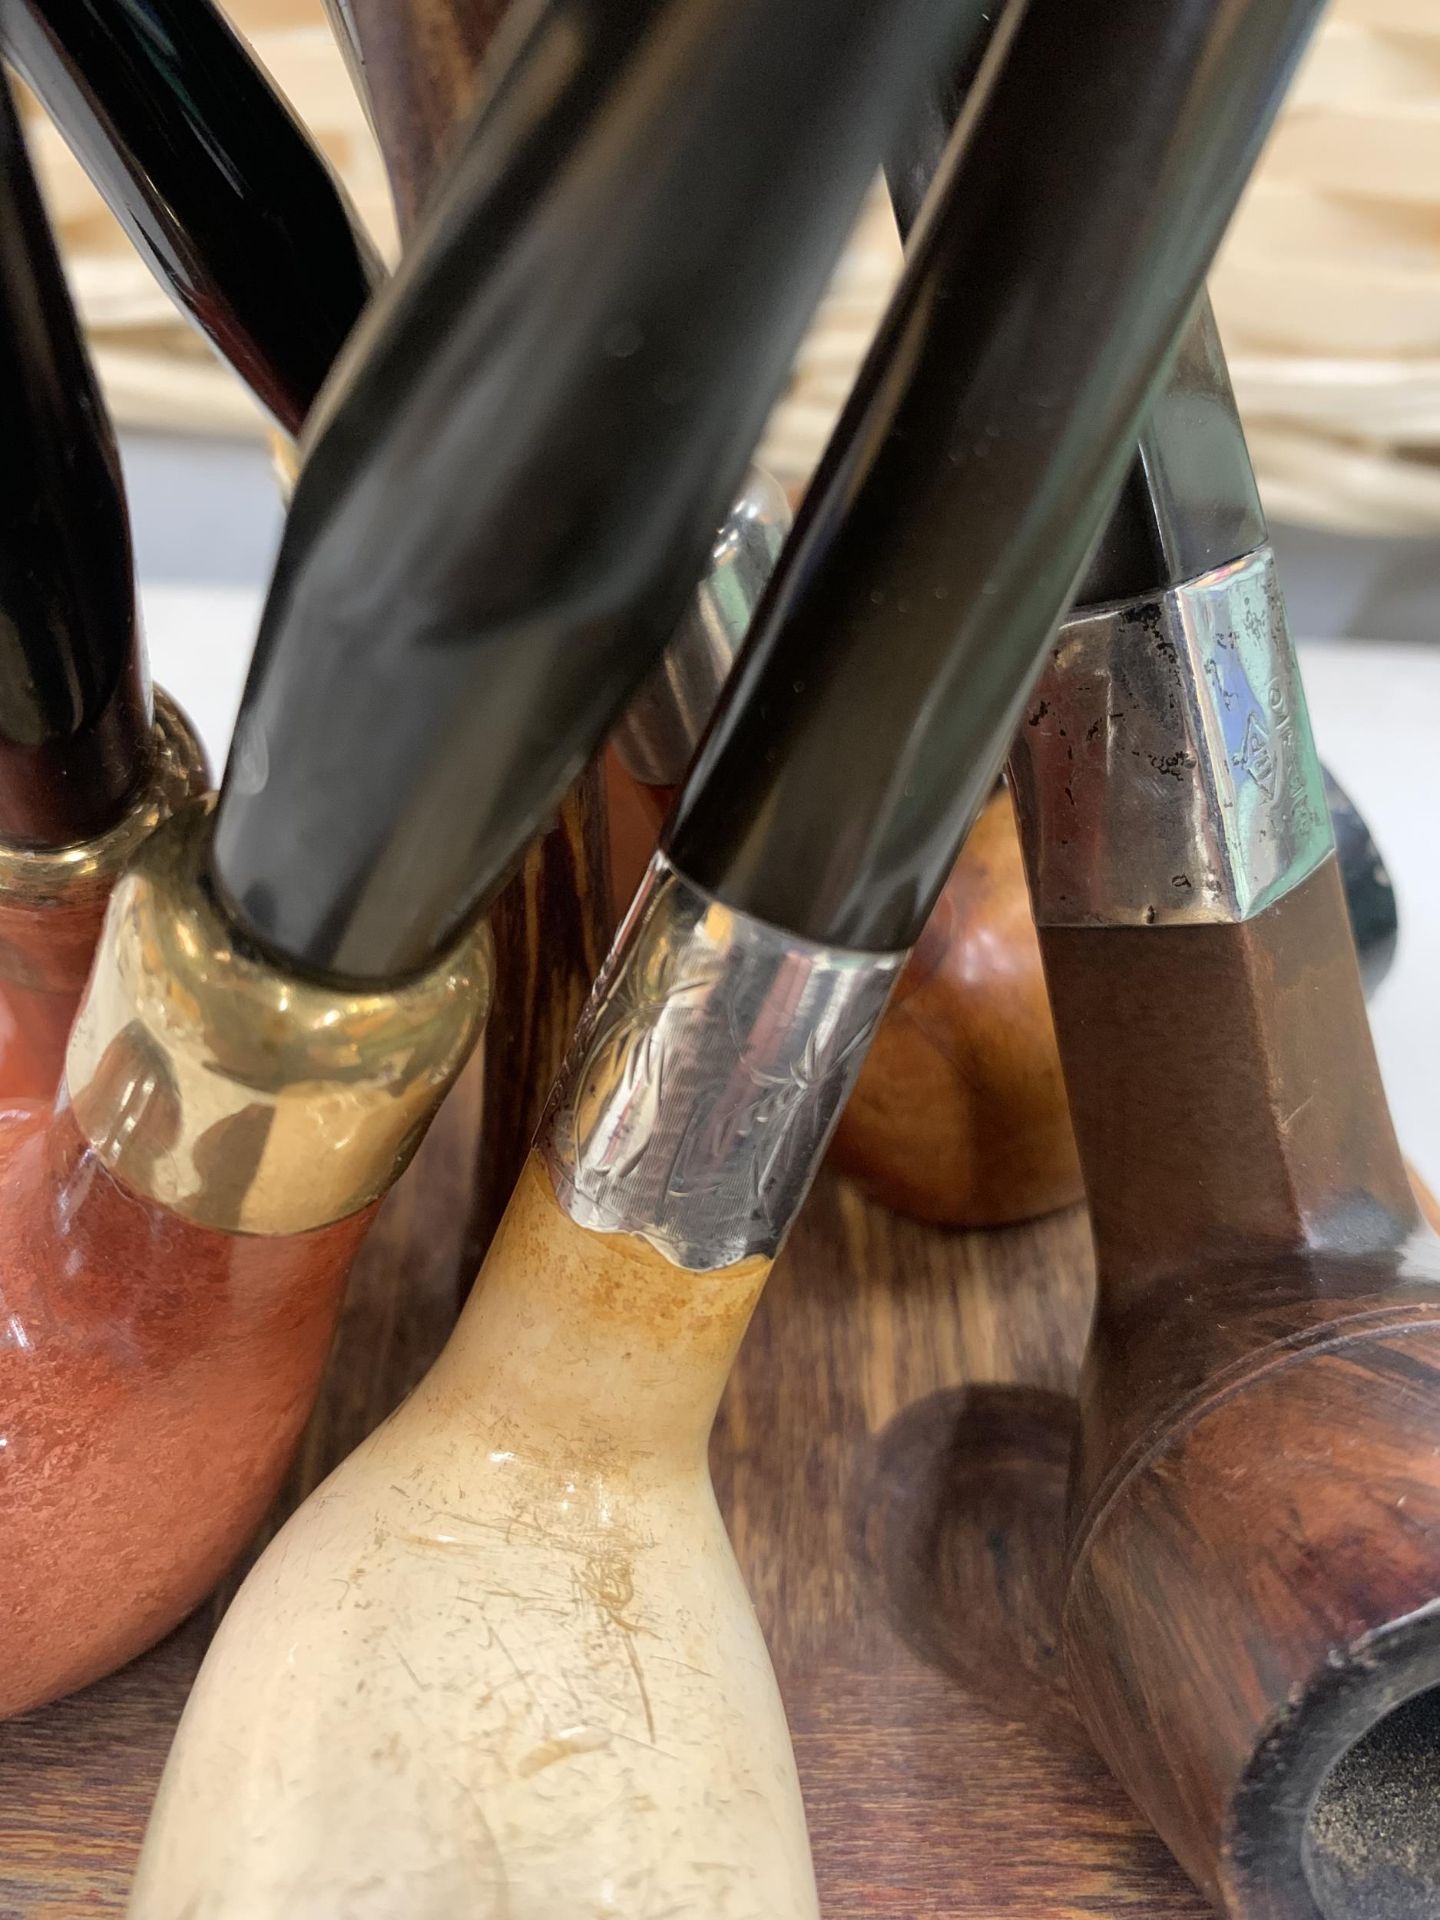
[1328, 290]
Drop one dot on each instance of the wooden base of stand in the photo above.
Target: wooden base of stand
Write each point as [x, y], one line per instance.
[891, 1456]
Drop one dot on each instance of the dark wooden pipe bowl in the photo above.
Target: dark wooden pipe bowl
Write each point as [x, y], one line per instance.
[1254, 1574]
[959, 1115]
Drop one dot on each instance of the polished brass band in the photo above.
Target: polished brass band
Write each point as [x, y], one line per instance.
[52, 898]
[241, 1096]
[49, 876]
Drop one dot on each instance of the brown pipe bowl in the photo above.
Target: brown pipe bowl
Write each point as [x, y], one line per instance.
[959, 1115]
[154, 1380]
[1254, 1590]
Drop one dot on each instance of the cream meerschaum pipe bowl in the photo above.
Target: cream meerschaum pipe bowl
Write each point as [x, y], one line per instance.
[539, 1640]
[503, 1662]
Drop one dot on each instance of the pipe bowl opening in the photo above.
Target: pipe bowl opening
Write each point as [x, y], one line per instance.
[1371, 1845]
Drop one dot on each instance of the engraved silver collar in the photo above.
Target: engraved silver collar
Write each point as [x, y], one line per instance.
[1165, 772]
[706, 1075]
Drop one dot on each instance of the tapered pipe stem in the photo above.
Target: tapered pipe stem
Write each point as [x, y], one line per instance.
[211, 175]
[74, 700]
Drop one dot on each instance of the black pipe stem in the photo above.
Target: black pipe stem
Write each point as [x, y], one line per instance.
[985, 441]
[513, 483]
[74, 701]
[1189, 502]
[211, 175]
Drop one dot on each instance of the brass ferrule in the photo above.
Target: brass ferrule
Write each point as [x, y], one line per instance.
[236, 1094]
[37, 883]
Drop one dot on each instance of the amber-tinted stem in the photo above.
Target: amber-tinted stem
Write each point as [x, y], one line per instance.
[1224, 1090]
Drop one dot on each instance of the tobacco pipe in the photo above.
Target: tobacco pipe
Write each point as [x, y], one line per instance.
[90, 761]
[418, 71]
[521, 1580]
[959, 1114]
[211, 175]
[476, 568]
[1250, 1614]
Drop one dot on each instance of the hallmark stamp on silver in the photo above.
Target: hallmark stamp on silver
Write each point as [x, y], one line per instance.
[706, 1075]
[1165, 771]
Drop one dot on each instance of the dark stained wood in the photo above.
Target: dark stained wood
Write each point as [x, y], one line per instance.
[77, 1779]
[959, 1115]
[890, 1455]
[1255, 1567]
[891, 1459]
[417, 64]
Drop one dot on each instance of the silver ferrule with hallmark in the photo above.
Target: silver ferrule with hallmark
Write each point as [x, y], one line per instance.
[1164, 771]
[663, 723]
[707, 1074]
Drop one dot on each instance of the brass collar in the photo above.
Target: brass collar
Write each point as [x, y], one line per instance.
[238, 1095]
[38, 877]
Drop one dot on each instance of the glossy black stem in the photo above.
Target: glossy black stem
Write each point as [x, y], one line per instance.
[984, 443]
[1189, 501]
[212, 176]
[515, 483]
[74, 703]
[914, 159]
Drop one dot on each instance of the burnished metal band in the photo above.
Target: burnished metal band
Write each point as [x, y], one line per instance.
[56, 876]
[707, 1073]
[238, 1095]
[1165, 772]
[663, 723]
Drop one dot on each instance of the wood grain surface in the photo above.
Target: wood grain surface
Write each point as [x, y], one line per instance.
[1254, 1564]
[959, 1114]
[417, 68]
[891, 1458]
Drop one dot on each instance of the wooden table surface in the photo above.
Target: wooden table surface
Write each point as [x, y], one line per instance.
[891, 1457]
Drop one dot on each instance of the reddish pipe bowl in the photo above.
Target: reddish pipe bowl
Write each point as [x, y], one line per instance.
[45, 955]
[155, 1376]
